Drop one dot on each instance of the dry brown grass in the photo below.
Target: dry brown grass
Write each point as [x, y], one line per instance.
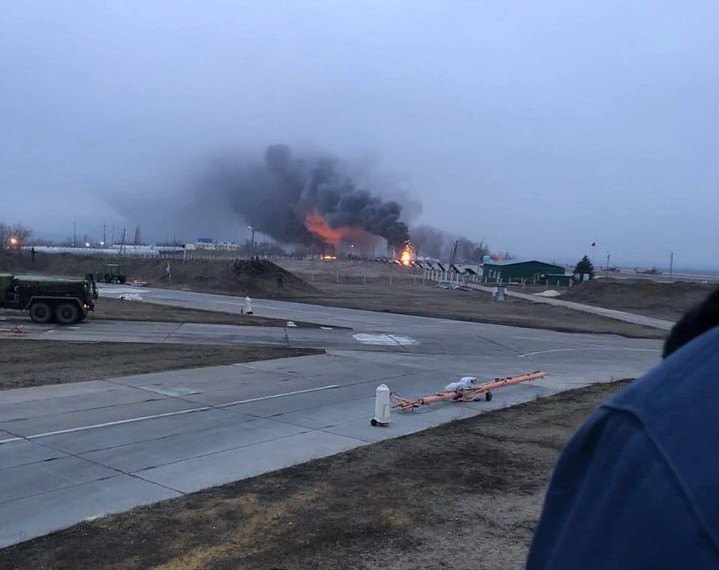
[38, 362]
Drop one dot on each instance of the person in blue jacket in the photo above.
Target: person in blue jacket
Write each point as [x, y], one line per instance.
[638, 485]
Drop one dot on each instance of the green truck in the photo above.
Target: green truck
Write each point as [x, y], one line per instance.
[49, 299]
[111, 273]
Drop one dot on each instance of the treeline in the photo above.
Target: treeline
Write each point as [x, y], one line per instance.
[429, 241]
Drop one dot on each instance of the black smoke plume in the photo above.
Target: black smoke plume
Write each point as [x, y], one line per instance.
[276, 196]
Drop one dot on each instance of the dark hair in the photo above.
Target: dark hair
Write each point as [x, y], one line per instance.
[699, 320]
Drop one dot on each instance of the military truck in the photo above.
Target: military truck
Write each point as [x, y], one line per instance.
[49, 299]
[111, 273]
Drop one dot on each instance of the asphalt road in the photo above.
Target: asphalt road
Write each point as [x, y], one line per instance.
[76, 451]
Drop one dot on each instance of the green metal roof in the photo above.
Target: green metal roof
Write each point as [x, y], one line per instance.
[507, 262]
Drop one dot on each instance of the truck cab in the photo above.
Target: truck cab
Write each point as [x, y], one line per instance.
[112, 273]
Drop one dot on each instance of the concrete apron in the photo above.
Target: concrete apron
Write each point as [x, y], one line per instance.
[78, 451]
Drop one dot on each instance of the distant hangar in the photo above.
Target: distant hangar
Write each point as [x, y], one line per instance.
[525, 271]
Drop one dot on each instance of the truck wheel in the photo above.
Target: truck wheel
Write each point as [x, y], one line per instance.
[41, 313]
[67, 313]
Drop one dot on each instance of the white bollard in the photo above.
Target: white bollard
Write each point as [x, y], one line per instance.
[248, 306]
[381, 406]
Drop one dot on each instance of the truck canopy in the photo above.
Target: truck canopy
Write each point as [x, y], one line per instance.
[44, 279]
[5, 280]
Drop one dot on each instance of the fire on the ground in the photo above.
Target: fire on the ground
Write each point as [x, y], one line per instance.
[406, 255]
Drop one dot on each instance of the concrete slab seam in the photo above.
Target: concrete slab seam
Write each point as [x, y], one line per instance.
[304, 429]
[165, 414]
[94, 462]
[588, 348]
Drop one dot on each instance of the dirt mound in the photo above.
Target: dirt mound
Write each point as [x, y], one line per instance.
[253, 277]
[652, 298]
[260, 278]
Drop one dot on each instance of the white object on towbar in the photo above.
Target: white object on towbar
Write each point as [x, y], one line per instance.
[464, 383]
[130, 297]
[381, 406]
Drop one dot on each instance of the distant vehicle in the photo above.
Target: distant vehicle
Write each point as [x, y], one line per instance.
[611, 269]
[652, 271]
[112, 273]
[66, 301]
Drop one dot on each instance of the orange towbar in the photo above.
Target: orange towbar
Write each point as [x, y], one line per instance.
[467, 395]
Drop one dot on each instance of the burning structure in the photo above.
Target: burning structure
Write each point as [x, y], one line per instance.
[310, 202]
[406, 255]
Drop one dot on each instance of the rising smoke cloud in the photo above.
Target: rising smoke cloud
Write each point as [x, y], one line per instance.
[284, 197]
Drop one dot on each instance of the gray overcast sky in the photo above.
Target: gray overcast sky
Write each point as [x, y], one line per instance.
[542, 126]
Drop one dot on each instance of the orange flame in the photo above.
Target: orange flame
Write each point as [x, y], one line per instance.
[406, 255]
[318, 226]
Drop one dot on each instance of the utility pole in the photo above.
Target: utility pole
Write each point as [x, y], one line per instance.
[671, 265]
[74, 234]
[252, 240]
[122, 244]
[104, 235]
[453, 254]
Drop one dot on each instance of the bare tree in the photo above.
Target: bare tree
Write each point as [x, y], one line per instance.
[13, 236]
[433, 242]
[430, 241]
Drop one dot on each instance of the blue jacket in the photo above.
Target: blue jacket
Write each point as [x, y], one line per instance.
[638, 485]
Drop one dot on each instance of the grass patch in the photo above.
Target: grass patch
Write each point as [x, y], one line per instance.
[39, 362]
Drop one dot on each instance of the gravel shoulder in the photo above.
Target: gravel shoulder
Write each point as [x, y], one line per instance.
[38, 362]
[477, 306]
[117, 309]
[644, 297]
[463, 495]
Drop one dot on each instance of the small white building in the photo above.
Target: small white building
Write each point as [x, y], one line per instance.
[228, 246]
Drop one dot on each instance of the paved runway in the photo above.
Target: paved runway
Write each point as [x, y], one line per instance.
[76, 451]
